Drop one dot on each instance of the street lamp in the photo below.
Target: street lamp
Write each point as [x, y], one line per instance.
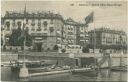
[121, 46]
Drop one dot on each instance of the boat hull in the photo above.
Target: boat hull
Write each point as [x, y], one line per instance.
[90, 73]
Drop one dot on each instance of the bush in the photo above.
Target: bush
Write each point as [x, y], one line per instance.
[55, 47]
[63, 50]
[85, 50]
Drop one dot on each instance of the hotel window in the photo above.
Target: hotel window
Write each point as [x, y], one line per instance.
[45, 38]
[103, 41]
[13, 24]
[33, 29]
[8, 25]
[82, 28]
[33, 22]
[19, 24]
[103, 35]
[51, 29]
[39, 29]
[51, 22]
[27, 29]
[71, 28]
[68, 28]
[39, 25]
[26, 21]
[45, 23]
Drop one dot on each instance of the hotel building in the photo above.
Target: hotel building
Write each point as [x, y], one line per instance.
[46, 29]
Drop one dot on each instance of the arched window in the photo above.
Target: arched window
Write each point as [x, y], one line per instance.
[19, 24]
[13, 24]
[45, 23]
[27, 29]
[33, 22]
[8, 25]
[39, 25]
[26, 21]
[51, 21]
[51, 29]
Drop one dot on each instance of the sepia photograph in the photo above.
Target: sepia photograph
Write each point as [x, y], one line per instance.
[73, 40]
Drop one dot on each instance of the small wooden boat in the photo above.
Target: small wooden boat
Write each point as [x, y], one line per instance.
[85, 71]
[119, 68]
[15, 68]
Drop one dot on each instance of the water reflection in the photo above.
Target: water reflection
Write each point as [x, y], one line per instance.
[103, 75]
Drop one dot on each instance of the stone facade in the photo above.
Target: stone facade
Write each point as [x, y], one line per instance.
[46, 28]
[108, 39]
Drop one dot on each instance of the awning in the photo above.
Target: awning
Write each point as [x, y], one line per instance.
[82, 40]
[38, 38]
[82, 35]
[69, 41]
[58, 32]
[58, 38]
[59, 45]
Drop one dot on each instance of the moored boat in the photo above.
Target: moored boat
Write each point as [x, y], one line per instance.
[85, 71]
[119, 68]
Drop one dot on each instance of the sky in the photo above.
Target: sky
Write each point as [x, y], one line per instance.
[114, 17]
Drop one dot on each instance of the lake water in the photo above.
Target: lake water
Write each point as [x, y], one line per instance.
[103, 75]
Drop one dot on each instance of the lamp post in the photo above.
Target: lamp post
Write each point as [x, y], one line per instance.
[121, 50]
[24, 70]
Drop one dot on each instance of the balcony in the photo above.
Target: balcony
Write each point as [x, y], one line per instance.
[39, 34]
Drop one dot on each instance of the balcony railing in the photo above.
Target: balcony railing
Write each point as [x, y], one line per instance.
[38, 34]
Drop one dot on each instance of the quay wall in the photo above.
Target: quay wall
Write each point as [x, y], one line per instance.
[115, 61]
[8, 56]
[62, 59]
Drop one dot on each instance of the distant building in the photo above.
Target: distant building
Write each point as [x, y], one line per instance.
[105, 38]
[74, 35]
[69, 31]
[82, 38]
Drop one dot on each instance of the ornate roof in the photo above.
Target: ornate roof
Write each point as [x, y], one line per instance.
[108, 30]
[47, 15]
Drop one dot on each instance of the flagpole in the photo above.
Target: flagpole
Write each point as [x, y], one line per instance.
[94, 42]
[24, 70]
[89, 19]
[24, 30]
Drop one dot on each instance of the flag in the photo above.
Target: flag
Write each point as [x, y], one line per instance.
[25, 11]
[89, 18]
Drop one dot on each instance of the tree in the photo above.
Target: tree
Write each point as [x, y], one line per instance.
[17, 38]
[14, 38]
[55, 47]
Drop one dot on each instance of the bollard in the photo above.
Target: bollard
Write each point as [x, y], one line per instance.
[24, 71]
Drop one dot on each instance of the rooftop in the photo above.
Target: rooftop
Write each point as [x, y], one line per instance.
[108, 30]
[13, 14]
[39, 15]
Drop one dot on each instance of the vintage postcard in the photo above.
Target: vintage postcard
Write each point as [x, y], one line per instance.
[75, 40]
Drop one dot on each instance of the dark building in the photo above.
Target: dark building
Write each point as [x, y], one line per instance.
[105, 38]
